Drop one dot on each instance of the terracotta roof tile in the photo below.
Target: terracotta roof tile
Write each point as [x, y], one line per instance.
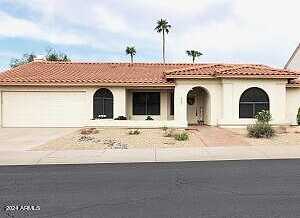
[124, 74]
[232, 70]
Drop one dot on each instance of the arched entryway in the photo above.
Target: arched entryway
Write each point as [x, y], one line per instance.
[252, 101]
[103, 104]
[198, 106]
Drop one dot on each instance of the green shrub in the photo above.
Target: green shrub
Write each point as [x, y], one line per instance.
[298, 116]
[134, 132]
[263, 116]
[261, 128]
[183, 136]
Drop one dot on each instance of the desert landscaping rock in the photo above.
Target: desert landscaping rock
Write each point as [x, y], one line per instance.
[114, 138]
[105, 138]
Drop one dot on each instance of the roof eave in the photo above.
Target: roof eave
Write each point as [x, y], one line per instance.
[293, 85]
[90, 84]
[258, 77]
[189, 77]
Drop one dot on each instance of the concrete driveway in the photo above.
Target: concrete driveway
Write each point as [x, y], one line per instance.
[22, 139]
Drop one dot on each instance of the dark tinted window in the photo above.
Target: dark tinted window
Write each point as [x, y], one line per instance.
[146, 103]
[103, 104]
[252, 101]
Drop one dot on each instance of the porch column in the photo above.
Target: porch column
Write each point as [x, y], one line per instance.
[227, 102]
[119, 101]
[163, 105]
[180, 106]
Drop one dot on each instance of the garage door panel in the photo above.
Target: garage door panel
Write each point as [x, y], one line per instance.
[43, 109]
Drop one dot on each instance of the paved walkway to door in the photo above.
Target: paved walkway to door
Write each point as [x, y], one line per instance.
[214, 136]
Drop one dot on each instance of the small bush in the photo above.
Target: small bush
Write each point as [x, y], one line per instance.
[298, 116]
[149, 118]
[121, 118]
[134, 132]
[260, 130]
[263, 116]
[183, 136]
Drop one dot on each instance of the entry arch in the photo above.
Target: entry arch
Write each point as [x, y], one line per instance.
[198, 106]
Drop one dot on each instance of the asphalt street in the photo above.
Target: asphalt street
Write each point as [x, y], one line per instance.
[258, 188]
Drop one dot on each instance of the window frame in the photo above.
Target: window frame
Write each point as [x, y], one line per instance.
[146, 95]
[103, 97]
[254, 104]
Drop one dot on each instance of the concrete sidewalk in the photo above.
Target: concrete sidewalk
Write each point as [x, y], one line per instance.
[149, 155]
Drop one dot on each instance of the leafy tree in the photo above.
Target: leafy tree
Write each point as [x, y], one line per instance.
[26, 58]
[194, 54]
[130, 51]
[162, 26]
[53, 55]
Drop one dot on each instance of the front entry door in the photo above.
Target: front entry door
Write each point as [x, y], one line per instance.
[192, 109]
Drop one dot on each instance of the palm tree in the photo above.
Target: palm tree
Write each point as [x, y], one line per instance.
[130, 51]
[194, 54]
[163, 27]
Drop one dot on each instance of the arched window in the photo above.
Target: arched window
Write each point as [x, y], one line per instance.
[252, 101]
[103, 104]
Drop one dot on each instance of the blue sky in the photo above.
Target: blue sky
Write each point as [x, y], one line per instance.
[230, 31]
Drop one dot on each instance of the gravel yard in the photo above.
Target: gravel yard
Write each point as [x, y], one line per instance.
[148, 138]
[289, 136]
[114, 138]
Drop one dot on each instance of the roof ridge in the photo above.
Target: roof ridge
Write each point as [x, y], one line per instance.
[119, 63]
[192, 68]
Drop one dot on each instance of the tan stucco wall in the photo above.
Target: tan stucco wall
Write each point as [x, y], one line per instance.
[183, 86]
[224, 98]
[122, 106]
[232, 89]
[293, 104]
[222, 106]
[119, 95]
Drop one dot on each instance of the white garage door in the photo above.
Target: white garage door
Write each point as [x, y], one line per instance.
[43, 109]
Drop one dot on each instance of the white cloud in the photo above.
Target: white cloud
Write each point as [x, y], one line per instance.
[16, 27]
[248, 30]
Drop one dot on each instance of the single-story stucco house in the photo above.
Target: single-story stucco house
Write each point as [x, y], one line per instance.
[71, 94]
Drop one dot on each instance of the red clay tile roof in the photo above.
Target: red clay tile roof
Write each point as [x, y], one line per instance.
[124, 74]
[231, 71]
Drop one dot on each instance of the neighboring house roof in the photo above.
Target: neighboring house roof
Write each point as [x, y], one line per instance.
[292, 57]
[44, 73]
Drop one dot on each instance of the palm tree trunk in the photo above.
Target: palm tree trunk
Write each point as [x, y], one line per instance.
[193, 59]
[131, 57]
[164, 60]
